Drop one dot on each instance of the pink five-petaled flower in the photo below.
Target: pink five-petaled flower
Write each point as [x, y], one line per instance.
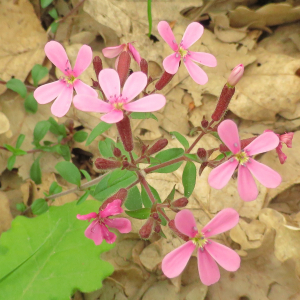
[247, 166]
[97, 230]
[118, 102]
[171, 63]
[62, 89]
[111, 52]
[209, 252]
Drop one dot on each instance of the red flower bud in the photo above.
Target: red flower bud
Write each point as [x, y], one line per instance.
[202, 154]
[223, 102]
[121, 194]
[106, 164]
[204, 123]
[117, 152]
[146, 229]
[163, 81]
[123, 66]
[181, 202]
[125, 133]
[97, 63]
[155, 216]
[144, 66]
[236, 75]
[177, 232]
[158, 146]
[95, 84]
[157, 228]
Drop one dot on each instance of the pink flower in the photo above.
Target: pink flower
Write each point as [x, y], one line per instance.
[236, 75]
[209, 252]
[62, 89]
[171, 63]
[97, 230]
[118, 102]
[242, 159]
[111, 52]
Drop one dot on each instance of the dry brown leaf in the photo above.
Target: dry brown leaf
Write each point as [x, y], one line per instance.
[5, 213]
[4, 123]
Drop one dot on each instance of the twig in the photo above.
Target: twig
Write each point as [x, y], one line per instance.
[72, 11]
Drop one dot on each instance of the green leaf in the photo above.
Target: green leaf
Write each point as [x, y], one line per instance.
[167, 155]
[142, 213]
[215, 134]
[193, 157]
[36, 172]
[133, 200]
[80, 136]
[10, 162]
[53, 13]
[55, 188]
[15, 151]
[40, 130]
[105, 148]
[49, 255]
[38, 72]
[172, 194]
[69, 172]
[145, 197]
[161, 233]
[143, 115]
[39, 206]
[54, 26]
[20, 140]
[17, 86]
[98, 130]
[30, 104]
[64, 151]
[58, 129]
[83, 197]
[182, 140]
[189, 178]
[20, 207]
[86, 175]
[45, 3]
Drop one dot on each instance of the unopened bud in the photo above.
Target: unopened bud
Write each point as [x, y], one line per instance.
[117, 152]
[164, 80]
[97, 63]
[146, 229]
[125, 133]
[157, 228]
[172, 226]
[144, 66]
[236, 75]
[123, 66]
[202, 154]
[95, 84]
[158, 146]
[121, 194]
[155, 216]
[223, 102]
[181, 202]
[106, 164]
[204, 123]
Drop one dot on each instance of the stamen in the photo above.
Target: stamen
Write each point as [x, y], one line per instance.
[235, 144]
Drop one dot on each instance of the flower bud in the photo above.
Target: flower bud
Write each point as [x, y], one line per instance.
[117, 152]
[144, 66]
[157, 228]
[121, 194]
[204, 123]
[123, 66]
[181, 202]
[158, 146]
[97, 63]
[125, 133]
[223, 102]
[172, 226]
[236, 75]
[163, 81]
[95, 84]
[146, 229]
[202, 154]
[106, 164]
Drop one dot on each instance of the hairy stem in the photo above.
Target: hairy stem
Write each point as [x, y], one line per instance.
[165, 164]
[144, 183]
[195, 142]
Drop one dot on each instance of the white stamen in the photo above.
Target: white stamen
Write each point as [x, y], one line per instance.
[235, 144]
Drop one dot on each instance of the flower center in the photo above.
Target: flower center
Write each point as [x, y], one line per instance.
[199, 240]
[182, 52]
[117, 101]
[69, 80]
[242, 157]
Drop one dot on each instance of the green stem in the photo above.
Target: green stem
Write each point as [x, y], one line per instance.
[149, 16]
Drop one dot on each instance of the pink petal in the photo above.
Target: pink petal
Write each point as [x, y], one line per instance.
[282, 157]
[147, 104]
[208, 269]
[58, 56]
[48, 92]
[203, 58]
[166, 33]
[263, 143]
[198, 75]
[134, 84]
[246, 184]
[265, 175]
[112, 209]
[175, 262]
[185, 223]
[287, 138]
[192, 34]
[89, 103]
[111, 52]
[113, 117]
[82, 88]
[121, 224]
[220, 176]
[89, 216]
[63, 102]
[135, 54]
[171, 63]
[94, 232]
[224, 256]
[109, 237]
[229, 134]
[83, 60]
[224, 220]
[116, 62]
[110, 82]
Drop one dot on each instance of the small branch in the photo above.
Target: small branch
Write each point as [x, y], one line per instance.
[163, 214]
[131, 157]
[133, 184]
[195, 142]
[165, 164]
[72, 11]
[144, 183]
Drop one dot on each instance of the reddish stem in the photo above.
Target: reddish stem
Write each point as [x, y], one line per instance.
[165, 164]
